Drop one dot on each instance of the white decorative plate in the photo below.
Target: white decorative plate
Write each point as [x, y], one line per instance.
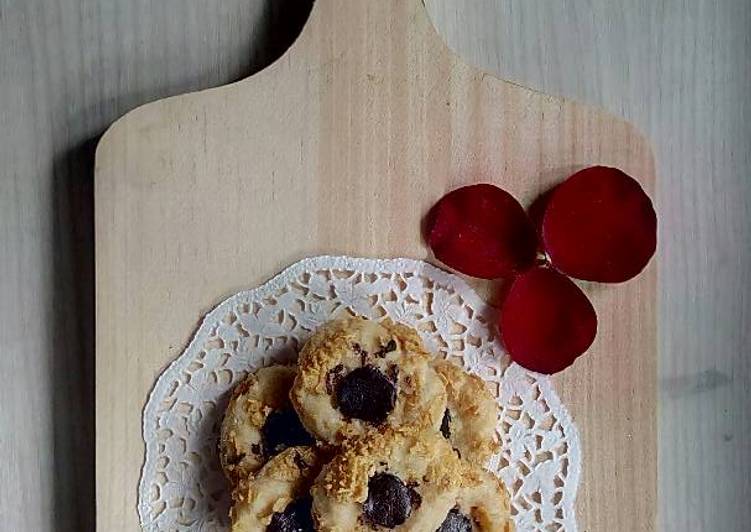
[182, 486]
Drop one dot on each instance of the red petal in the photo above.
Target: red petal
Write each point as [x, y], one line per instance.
[546, 321]
[482, 231]
[599, 225]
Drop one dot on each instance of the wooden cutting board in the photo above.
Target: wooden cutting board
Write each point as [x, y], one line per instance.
[340, 147]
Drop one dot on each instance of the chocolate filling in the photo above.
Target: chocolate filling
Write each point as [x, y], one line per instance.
[384, 350]
[366, 393]
[446, 424]
[389, 501]
[456, 522]
[283, 429]
[392, 372]
[296, 517]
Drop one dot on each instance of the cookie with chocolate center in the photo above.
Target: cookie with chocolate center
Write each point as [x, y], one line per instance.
[259, 422]
[356, 375]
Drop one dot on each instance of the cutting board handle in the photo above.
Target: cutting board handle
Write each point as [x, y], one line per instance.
[335, 26]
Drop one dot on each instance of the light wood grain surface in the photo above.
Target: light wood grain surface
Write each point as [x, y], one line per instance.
[341, 147]
[679, 70]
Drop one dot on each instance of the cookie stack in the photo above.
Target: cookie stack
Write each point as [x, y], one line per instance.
[368, 432]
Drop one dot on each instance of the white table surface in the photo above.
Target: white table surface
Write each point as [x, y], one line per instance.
[679, 69]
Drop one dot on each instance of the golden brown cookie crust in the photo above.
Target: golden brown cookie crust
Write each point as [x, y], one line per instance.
[483, 497]
[351, 343]
[253, 399]
[286, 477]
[420, 458]
[473, 411]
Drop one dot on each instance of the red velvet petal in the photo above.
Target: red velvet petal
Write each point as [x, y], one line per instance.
[599, 225]
[546, 321]
[482, 231]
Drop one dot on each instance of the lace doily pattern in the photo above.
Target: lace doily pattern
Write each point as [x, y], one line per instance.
[182, 486]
